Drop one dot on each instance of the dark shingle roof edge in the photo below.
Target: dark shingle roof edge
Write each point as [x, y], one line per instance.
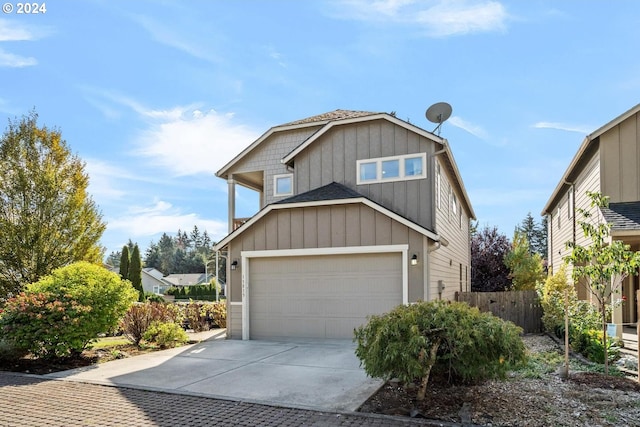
[623, 215]
[332, 191]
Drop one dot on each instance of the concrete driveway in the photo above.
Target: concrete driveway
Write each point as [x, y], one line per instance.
[320, 375]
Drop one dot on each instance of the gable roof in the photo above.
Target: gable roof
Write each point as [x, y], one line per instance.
[326, 121]
[309, 122]
[331, 116]
[590, 143]
[332, 191]
[623, 216]
[330, 194]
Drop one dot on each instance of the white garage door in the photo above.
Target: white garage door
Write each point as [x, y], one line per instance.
[324, 296]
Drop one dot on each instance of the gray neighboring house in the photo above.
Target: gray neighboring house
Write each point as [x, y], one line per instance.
[359, 212]
[154, 281]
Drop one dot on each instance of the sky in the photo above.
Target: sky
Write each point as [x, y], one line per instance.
[156, 96]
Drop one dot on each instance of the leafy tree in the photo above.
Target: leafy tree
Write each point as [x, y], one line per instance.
[47, 218]
[125, 259]
[488, 270]
[525, 268]
[135, 272]
[63, 312]
[604, 264]
[411, 340]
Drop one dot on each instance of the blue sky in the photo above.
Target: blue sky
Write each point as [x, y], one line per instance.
[155, 96]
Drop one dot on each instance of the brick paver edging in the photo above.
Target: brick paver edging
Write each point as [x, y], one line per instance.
[29, 400]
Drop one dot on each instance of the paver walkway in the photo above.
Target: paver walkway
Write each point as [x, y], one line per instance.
[28, 400]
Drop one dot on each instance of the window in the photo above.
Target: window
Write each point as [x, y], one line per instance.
[413, 166]
[570, 203]
[390, 169]
[396, 168]
[558, 214]
[368, 172]
[283, 185]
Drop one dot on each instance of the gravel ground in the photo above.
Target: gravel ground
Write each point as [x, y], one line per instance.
[585, 399]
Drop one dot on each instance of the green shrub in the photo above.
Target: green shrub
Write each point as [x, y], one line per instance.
[9, 352]
[450, 337]
[62, 313]
[151, 297]
[217, 312]
[195, 314]
[589, 344]
[140, 316]
[583, 316]
[166, 334]
[46, 325]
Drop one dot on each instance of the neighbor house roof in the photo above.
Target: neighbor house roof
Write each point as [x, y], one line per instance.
[587, 147]
[623, 216]
[327, 195]
[185, 279]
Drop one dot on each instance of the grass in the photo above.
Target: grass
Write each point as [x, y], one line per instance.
[109, 342]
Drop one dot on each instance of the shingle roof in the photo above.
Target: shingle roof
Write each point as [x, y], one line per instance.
[332, 115]
[623, 215]
[333, 191]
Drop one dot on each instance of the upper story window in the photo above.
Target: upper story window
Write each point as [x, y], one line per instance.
[570, 203]
[283, 185]
[396, 168]
[438, 186]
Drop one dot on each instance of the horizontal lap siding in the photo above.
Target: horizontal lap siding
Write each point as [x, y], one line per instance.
[446, 260]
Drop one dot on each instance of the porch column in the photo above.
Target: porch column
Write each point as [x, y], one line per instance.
[232, 201]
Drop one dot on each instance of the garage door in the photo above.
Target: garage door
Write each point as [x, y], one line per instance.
[321, 296]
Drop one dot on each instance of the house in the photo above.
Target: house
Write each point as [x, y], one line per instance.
[608, 161]
[359, 212]
[153, 281]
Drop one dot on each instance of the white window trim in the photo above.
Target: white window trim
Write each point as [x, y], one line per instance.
[275, 185]
[402, 177]
[246, 256]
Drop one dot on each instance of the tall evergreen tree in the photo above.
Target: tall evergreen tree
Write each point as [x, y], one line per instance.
[135, 272]
[124, 262]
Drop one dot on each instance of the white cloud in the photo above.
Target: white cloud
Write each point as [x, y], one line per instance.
[162, 217]
[193, 141]
[182, 140]
[448, 18]
[563, 126]
[474, 130]
[16, 61]
[440, 18]
[11, 31]
[189, 43]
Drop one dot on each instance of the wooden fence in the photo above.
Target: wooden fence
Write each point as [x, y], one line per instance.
[520, 307]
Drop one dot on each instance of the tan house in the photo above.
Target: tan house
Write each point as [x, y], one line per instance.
[608, 161]
[359, 212]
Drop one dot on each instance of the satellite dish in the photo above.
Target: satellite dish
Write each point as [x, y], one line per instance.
[438, 113]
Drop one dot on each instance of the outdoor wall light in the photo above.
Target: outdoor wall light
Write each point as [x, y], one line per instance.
[414, 259]
[234, 264]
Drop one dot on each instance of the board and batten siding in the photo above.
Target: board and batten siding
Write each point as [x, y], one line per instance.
[333, 157]
[349, 225]
[620, 157]
[448, 261]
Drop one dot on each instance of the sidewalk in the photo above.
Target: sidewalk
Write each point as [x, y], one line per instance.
[30, 401]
